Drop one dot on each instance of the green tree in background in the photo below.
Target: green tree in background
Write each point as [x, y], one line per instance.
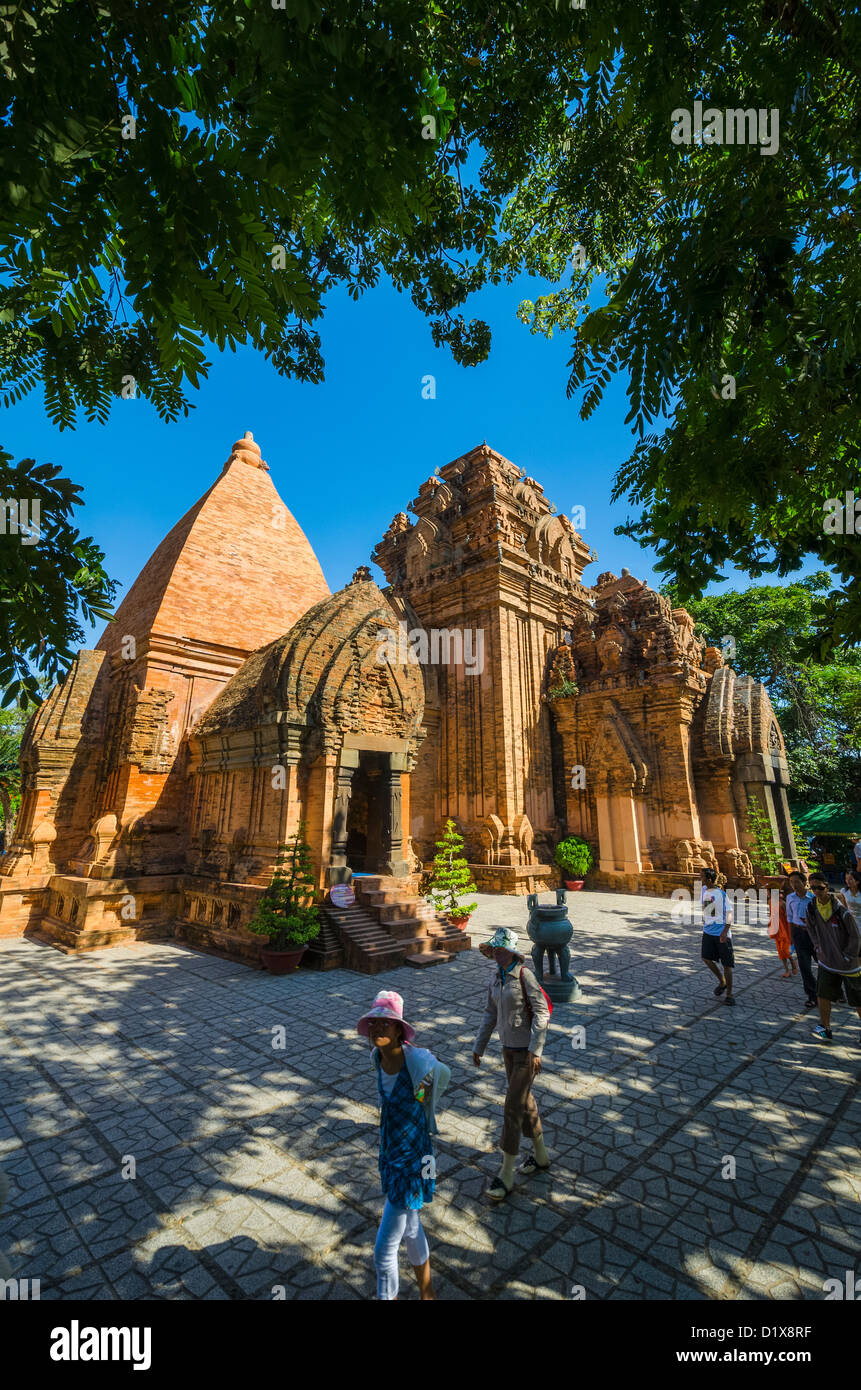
[13, 722]
[47, 586]
[818, 706]
[10, 778]
[764, 852]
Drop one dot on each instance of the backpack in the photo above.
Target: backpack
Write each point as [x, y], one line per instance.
[526, 996]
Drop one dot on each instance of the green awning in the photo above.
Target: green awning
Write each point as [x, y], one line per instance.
[829, 818]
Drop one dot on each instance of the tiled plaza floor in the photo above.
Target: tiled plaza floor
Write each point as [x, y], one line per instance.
[255, 1167]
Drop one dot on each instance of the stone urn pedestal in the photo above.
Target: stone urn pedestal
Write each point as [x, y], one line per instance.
[550, 931]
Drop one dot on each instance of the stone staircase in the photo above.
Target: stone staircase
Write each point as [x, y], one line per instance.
[386, 928]
[325, 952]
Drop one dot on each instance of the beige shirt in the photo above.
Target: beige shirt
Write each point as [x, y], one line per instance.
[506, 1010]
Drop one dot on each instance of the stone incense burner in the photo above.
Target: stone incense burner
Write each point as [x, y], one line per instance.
[550, 931]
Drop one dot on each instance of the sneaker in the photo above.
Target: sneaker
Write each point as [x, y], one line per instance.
[497, 1192]
[531, 1165]
[823, 1034]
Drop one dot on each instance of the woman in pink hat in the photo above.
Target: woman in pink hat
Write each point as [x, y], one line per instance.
[410, 1081]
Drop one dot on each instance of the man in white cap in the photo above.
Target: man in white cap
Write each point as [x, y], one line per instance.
[517, 1006]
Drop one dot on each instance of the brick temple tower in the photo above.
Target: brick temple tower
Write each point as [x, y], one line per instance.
[487, 555]
[104, 759]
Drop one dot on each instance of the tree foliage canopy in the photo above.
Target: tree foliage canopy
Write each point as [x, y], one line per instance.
[280, 152]
[818, 704]
[45, 587]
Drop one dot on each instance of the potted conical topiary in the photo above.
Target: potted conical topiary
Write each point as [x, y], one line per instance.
[285, 914]
[451, 878]
[575, 858]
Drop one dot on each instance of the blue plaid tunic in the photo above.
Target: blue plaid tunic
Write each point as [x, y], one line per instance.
[404, 1143]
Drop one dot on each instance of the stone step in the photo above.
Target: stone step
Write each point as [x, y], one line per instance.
[405, 931]
[405, 912]
[382, 929]
[385, 896]
[427, 958]
[71, 938]
[420, 945]
[371, 883]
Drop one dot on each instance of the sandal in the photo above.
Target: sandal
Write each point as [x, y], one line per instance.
[530, 1166]
[730, 999]
[720, 989]
[497, 1192]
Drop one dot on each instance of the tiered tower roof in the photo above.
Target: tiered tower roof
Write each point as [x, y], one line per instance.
[236, 571]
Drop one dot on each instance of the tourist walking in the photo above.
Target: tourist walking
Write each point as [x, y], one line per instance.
[837, 941]
[410, 1081]
[716, 947]
[781, 932]
[797, 903]
[850, 895]
[516, 1005]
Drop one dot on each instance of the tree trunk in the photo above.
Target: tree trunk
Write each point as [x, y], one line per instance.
[9, 816]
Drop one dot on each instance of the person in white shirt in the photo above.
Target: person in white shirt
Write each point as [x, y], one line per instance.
[717, 937]
[796, 910]
[851, 893]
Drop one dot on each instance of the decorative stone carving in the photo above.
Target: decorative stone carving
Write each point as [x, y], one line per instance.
[737, 867]
[523, 836]
[611, 647]
[492, 832]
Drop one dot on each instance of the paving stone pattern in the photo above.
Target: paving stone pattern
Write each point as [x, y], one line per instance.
[256, 1168]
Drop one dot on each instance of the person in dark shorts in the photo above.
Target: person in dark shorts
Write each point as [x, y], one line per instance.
[717, 949]
[837, 941]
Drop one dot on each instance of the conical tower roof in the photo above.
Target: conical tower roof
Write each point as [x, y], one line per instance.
[236, 571]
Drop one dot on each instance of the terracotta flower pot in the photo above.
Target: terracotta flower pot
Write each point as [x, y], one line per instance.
[282, 962]
[574, 884]
[459, 921]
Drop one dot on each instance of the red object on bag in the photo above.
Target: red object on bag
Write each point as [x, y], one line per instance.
[526, 996]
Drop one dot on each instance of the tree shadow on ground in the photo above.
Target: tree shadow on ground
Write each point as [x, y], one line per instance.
[171, 1058]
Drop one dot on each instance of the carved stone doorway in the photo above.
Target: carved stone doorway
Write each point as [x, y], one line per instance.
[366, 847]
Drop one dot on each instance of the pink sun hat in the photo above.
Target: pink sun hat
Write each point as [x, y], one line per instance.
[388, 1004]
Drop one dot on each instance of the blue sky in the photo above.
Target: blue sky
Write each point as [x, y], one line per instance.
[348, 454]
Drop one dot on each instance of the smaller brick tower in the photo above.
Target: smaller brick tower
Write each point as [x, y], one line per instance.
[104, 759]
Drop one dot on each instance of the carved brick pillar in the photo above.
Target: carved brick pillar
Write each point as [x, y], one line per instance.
[393, 826]
[618, 828]
[338, 871]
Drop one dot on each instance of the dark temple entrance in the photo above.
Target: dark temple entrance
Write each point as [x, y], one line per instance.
[367, 822]
[366, 848]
